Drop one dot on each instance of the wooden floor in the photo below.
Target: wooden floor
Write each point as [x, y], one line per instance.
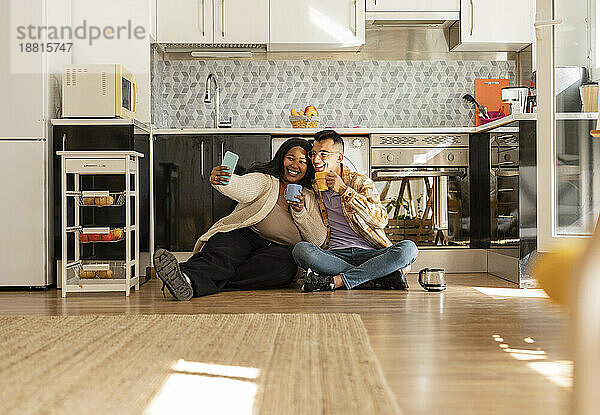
[441, 352]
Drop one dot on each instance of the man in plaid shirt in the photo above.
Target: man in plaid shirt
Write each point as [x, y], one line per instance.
[356, 249]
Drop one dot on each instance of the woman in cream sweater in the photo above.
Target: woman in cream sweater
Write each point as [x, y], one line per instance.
[251, 249]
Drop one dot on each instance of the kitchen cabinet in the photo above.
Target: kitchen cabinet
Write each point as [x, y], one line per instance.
[212, 21]
[184, 21]
[493, 26]
[316, 25]
[186, 205]
[183, 195]
[413, 6]
[241, 21]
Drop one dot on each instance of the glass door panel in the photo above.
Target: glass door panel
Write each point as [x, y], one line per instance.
[568, 156]
[577, 177]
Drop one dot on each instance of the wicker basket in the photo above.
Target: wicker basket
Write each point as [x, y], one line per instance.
[301, 121]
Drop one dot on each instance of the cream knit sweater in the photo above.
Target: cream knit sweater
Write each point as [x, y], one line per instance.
[256, 194]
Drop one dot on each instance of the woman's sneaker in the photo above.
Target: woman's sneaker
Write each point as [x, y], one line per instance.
[167, 269]
[316, 282]
[394, 281]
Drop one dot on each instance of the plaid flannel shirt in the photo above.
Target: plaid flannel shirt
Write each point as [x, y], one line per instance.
[361, 207]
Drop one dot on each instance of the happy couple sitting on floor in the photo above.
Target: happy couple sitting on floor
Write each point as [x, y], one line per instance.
[336, 234]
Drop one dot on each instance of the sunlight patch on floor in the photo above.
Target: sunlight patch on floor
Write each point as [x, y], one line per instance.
[560, 372]
[525, 354]
[197, 387]
[503, 293]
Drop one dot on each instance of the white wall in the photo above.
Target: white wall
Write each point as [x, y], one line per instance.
[133, 53]
[30, 81]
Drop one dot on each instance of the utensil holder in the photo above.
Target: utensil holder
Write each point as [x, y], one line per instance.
[493, 117]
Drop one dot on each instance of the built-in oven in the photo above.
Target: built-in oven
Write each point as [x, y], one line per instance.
[423, 180]
[504, 189]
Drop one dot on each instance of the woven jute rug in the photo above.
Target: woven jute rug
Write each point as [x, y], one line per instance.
[181, 364]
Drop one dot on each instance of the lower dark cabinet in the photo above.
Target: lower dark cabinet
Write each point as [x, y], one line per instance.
[186, 205]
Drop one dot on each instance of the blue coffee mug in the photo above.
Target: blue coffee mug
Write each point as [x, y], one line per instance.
[291, 191]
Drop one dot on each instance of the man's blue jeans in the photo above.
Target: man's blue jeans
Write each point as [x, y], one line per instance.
[355, 265]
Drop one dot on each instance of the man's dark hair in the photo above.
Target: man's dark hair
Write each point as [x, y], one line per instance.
[330, 134]
[275, 167]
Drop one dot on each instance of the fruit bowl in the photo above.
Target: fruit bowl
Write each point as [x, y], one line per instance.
[302, 121]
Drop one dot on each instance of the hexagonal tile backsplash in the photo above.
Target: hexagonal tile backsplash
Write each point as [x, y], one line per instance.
[346, 93]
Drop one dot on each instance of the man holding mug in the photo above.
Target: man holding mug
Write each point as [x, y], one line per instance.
[356, 249]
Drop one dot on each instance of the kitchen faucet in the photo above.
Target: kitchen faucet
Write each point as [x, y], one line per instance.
[207, 99]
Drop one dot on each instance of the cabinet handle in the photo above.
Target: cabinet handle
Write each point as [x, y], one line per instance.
[222, 18]
[355, 18]
[95, 165]
[222, 150]
[471, 32]
[203, 14]
[202, 159]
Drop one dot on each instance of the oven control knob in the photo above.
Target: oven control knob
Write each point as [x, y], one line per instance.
[450, 157]
[389, 157]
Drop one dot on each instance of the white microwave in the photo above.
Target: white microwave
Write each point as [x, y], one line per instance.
[98, 90]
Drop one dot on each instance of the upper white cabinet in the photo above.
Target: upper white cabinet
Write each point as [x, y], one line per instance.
[184, 21]
[241, 21]
[412, 5]
[493, 26]
[316, 24]
[212, 21]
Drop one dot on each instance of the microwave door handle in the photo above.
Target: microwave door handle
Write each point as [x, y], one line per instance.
[134, 99]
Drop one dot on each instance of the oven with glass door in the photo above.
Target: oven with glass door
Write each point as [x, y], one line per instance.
[423, 180]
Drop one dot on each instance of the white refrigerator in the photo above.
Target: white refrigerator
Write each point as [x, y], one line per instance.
[30, 97]
[24, 215]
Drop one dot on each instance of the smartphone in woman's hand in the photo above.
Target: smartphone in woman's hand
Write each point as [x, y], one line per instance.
[230, 161]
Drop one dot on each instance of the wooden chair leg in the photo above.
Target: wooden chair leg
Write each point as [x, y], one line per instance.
[385, 190]
[411, 201]
[428, 208]
[400, 197]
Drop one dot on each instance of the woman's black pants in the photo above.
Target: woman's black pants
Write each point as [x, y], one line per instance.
[239, 260]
